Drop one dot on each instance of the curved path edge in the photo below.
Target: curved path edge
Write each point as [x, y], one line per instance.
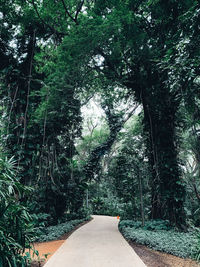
[96, 244]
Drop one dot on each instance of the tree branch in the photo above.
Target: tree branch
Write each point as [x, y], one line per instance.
[92, 166]
[67, 12]
[79, 10]
[49, 26]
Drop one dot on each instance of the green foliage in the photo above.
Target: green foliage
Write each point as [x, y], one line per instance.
[56, 57]
[93, 137]
[151, 225]
[129, 172]
[54, 232]
[38, 99]
[106, 206]
[16, 228]
[41, 219]
[156, 225]
[131, 209]
[156, 236]
[83, 212]
[196, 249]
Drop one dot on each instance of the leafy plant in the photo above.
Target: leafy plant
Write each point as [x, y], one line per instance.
[54, 232]
[151, 225]
[156, 235]
[15, 221]
[196, 248]
[105, 206]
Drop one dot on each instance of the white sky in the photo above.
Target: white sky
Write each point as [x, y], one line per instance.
[93, 112]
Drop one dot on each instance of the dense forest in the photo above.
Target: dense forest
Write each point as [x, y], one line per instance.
[137, 155]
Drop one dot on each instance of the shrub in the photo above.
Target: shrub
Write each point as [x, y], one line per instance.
[54, 232]
[83, 212]
[41, 219]
[196, 249]
[129, 211]
[106, 206]
[129, 223]
[151, 225]
[15, 223]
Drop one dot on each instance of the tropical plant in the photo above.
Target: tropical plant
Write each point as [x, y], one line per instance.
[16, 229]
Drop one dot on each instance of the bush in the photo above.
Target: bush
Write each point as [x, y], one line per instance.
[151, 225]
[196, 250]
[41, 219]
[129, 223]
[83, 212]
[106, 206]
[16, 228]
[129, 211]
[54, 232]
[157, 237]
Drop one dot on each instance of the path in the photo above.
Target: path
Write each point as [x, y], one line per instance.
[96, 244]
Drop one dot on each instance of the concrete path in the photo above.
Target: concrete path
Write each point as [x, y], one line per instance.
[96, 244]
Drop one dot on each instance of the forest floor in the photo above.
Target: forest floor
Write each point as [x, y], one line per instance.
[154, 258]
[49, 248]
[150, 257]
[96, 244]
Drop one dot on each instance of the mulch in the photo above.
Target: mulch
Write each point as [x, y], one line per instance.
[150, 257]
[40, 263]
[154, 258]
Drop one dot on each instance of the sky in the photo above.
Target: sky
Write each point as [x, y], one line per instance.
[94, 113]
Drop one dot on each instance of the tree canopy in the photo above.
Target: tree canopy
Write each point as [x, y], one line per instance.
[56, 57]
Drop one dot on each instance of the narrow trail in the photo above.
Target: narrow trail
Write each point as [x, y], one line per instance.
[96, 244]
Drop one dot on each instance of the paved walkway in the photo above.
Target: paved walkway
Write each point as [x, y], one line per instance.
[96, 244]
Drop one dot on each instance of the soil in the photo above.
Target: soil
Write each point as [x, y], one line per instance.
[49, 248]
[154, 258]
[150, 257]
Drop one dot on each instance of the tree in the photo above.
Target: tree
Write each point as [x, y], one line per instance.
[129, 173]
[30, 112]
[131, 58]
[123, 45]
[142, 51]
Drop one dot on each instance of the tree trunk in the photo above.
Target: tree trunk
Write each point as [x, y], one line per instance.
[168, 192]
[141, 199]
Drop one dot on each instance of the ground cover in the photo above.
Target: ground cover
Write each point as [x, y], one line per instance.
[153, 258]
[158, 235]
[44, 234]
[45, 246]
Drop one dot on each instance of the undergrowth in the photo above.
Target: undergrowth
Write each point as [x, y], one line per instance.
[50, 233]
[159, 235]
